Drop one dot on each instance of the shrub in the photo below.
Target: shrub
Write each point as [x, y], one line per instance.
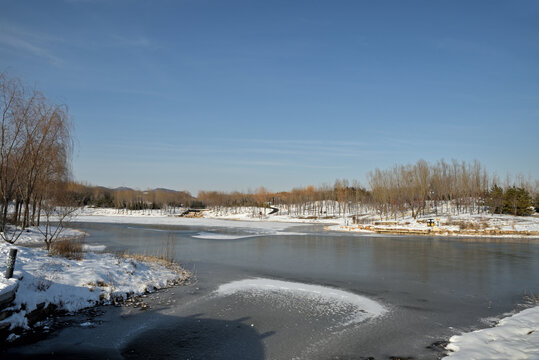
[68, 248]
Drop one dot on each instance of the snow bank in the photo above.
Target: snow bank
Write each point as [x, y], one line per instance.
[355, 308]
[6, 285]
[75, 284]
[33, 236]
[515, 337]
[483, 225]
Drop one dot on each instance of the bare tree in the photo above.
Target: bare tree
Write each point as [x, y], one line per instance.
[35, 147]
[57, 208]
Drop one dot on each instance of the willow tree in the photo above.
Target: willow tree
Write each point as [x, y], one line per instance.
[35, 150]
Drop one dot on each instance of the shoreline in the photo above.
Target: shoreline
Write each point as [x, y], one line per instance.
[464, 225]
[45, 285]
[432, 232]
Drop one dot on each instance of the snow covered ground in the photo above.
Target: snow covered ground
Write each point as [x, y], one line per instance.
[514, 337]
[33, 235]
[489, 225]
[72, 285]
[446, 225]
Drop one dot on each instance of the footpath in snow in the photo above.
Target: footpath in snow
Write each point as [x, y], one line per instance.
[46, 283]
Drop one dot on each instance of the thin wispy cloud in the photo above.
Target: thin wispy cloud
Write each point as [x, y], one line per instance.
[288, 164]
[29, 42]
[281, 153]
[302, 142]
[141, 41]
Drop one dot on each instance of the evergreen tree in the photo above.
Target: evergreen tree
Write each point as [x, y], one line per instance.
[496, 199]
[517, 202]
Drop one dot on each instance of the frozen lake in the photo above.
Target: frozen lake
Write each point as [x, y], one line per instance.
[301, 292]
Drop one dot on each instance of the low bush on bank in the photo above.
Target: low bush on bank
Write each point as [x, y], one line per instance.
[68, 248]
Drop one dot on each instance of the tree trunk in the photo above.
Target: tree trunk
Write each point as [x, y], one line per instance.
[38, 212]
[16, 214]
[4, 217]
[26, 219]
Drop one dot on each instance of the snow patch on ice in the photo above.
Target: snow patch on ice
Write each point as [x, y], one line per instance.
[94, 248]
[356, 308]
[218, 236]
[180, 221]
[221, 236]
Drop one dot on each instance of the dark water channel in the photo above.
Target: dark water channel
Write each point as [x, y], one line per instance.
[432, 287]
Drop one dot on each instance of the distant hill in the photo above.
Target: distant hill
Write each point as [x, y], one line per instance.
[121, 188]
[165, 190]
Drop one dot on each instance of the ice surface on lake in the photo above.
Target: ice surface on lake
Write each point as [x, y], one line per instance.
[180, 221]
[219, 236]
[348, 308]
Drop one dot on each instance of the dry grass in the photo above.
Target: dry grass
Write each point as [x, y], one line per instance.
[473, 225]
[469, 225]
[69, 248]
[163, 257]
[148, 259]
[531, 298]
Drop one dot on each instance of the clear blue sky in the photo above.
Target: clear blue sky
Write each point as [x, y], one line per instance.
[224, 95]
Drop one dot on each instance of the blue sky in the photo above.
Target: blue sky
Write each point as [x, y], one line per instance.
[233, 95]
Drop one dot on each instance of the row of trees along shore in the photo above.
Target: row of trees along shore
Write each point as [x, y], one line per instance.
[442, 188]
[35, 152]
[449, 188]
